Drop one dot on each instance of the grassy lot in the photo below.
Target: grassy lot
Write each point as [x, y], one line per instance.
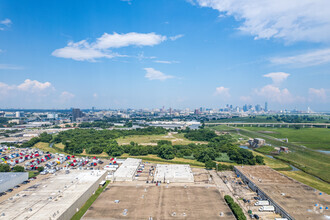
[177, 139]
[314, 138]
[307, 160]
[308, 180]
[154, 158]
[89, 202]
[45, 147]
[33, 174]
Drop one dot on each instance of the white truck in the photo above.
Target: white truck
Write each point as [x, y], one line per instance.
[267, 208]
[262, 202]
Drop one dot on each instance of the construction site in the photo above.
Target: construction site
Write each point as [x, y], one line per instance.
[160, 192]
[290, 198]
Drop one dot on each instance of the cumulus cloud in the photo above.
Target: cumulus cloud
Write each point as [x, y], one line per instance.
[153, 74]
[34, 86]
[317, 95]
[222, 91]
[275, 94]
[84, 50]
[312, 58]
[294, 20]
[277, 77]
[28, 87]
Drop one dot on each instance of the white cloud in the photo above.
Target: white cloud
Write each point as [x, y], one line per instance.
[317, 94]
[277, 77]
[28, 87]
[153, 74]
[95, 95]
[34, 86]
[166, 61]
[176, 37]
[275, 94]
[9, 67]
[66, 96]
[6, 22]
[222, 91]
[294, 20]
[312, 58]
[83, 50]
[123, 40]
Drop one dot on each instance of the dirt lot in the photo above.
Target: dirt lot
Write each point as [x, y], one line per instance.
[162, 202]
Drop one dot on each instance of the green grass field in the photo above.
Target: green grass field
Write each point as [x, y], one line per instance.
[314, 138]
[176, 139]
[308, 180]
[310, 161]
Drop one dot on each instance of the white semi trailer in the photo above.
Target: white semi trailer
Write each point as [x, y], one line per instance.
[262, 203]
[267, 208]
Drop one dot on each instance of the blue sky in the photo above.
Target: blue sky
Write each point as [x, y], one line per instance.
[179, 54]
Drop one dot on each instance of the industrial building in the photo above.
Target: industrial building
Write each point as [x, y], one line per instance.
[291, 199]
[127, 171]
[9, 180]
[58, 196]
[174, 173]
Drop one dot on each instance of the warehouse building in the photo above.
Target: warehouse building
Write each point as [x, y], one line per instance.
[127, 171]
[174, 173]
[291, 199]
[9, 180]
[58, 196]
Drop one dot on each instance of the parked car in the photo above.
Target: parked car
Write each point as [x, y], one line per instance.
[256, 216]
[17, 186]
[9, 190]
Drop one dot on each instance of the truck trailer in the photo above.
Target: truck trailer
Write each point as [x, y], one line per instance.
[267, 208]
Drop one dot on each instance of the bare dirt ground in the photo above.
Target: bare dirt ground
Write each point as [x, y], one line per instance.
[159, 202]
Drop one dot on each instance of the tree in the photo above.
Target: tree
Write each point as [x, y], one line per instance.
[166, 152]
[18, 169]
[4, 168]
[259, 159]
[210, 164]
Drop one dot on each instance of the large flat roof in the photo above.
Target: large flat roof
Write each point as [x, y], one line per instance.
[174, 173]
[49, 197]
[294, 197]
[8, 176]
[127, 170]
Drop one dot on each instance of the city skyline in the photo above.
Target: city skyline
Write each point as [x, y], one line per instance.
[179, 54]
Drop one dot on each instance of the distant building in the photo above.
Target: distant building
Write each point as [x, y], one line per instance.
[196, 112]
[266, 107]
[257, 142]
[258, 108]
[76, 113]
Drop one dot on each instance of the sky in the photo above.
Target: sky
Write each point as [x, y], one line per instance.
[178, 53]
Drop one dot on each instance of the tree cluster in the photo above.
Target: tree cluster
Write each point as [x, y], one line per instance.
[235, 208]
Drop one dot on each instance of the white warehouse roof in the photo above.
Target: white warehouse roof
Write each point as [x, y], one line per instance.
[174, 173]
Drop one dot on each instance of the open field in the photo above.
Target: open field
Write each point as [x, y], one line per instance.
[176, 139]
[311, 162]
[176, 160]
[173, 202]
[308, 180]
[45, 147]
[307, 160]
[314, 138]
